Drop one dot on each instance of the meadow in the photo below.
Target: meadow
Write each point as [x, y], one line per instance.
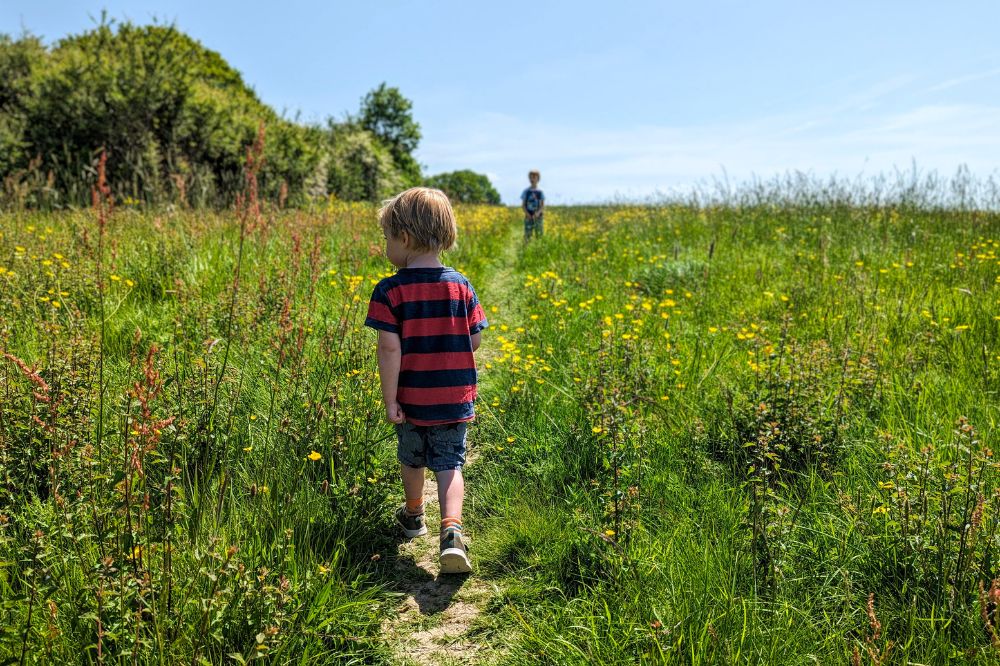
[720, 433]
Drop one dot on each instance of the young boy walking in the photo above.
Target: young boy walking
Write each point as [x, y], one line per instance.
[429, 323]
[533, 205]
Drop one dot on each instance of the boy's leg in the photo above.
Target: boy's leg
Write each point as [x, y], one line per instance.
[446, 455]
[410, 516]
[411, 453]
[451, 494]
[454, 551]
[413, 487]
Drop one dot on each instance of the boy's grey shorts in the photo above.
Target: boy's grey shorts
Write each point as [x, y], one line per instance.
[535, 226]
[437, 447]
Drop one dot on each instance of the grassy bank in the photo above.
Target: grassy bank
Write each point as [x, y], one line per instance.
[706, 435]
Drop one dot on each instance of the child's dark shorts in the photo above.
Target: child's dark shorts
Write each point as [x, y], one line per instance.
[533, 226]
[437, 447]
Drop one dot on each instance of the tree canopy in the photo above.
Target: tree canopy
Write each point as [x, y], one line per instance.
[386, 114]
[175, 119]
[465, 186]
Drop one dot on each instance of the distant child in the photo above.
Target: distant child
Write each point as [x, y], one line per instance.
[533, 205]
[429, 323]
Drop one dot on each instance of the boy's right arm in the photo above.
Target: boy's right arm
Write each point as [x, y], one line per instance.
[389, 353]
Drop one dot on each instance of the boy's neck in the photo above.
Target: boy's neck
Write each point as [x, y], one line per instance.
[426, 260]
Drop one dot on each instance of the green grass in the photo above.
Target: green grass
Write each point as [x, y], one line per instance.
[705, 435]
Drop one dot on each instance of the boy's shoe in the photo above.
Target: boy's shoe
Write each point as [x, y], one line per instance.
[413, 526]
[454, 552]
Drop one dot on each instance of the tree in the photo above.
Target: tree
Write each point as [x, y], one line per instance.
[386, 114]
[170, 113]
[360, 168]
[18, 58]
[465, 186]
[175, 119]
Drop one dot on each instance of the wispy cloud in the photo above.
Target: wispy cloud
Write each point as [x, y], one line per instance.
[962, 80]
[581, 164]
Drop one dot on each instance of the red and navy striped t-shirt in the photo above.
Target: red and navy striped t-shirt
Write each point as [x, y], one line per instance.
[435, 312]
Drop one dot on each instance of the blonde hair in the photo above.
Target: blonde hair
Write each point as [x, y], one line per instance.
[422, 212]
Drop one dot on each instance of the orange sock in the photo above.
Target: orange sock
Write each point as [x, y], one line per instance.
[415, 506]
[448, 521]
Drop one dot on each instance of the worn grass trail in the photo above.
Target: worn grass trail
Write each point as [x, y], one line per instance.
[439, 619]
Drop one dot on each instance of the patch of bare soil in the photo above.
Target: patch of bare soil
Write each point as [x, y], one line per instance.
[433, 622]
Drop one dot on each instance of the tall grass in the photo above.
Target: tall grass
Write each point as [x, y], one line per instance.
[754, 431]
[749, 433]
[193, 467]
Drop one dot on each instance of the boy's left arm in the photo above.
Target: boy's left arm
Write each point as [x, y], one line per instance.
[477, 319]
[383, 318]
[389, 356]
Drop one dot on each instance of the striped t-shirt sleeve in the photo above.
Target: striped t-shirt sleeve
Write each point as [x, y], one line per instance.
[381, 313]
[477, 318]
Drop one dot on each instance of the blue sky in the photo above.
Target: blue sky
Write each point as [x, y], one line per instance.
[618, 100]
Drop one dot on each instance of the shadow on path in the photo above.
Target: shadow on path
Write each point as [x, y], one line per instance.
[431, 593]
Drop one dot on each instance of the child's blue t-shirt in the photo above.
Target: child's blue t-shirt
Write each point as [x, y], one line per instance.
[532, 198]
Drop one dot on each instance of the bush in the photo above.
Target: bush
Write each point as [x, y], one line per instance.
[175, 120]
[465, 186]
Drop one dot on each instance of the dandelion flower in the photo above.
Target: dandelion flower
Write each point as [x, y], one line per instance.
[314, 456]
